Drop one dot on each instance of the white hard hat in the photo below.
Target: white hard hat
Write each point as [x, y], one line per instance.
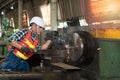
[38, 21]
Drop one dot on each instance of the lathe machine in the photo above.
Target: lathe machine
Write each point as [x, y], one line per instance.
[67, 58]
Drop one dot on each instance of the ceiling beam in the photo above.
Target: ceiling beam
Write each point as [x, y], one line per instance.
[6, 4]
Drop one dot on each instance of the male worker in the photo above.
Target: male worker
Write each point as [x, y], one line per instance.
[23, 43]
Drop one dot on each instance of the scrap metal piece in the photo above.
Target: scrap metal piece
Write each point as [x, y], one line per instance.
[65, 66]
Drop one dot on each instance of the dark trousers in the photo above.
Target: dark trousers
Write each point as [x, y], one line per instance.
[12, 62]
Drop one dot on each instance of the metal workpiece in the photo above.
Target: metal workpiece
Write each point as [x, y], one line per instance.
[75, 46]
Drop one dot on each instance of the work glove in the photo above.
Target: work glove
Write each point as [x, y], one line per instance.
[25, 49]
[34, 51]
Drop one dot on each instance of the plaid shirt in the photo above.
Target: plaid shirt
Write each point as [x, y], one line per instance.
[18, 36]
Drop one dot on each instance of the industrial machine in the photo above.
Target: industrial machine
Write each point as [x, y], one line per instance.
[79, 47]
[69, 51]
[67, 56]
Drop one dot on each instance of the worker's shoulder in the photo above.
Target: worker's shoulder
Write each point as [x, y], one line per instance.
[24, 30]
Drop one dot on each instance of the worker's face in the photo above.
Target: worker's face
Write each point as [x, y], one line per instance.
[37, 29]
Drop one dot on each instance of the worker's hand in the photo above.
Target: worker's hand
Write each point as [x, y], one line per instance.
[26, 49]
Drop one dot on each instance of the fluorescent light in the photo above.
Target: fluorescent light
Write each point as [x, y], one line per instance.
[12, 7]
[2, 13]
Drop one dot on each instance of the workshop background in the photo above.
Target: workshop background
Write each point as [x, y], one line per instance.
[100, 18]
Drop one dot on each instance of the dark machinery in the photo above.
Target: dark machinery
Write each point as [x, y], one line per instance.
[79, 47]
[68, 52]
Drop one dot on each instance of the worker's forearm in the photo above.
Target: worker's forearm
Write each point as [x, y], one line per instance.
[45, 46]
[15, 44]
